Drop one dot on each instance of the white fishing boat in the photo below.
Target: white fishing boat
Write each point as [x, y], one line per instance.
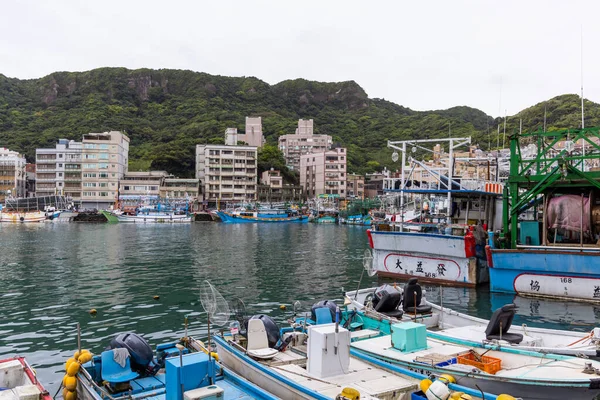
[526, 374]
[154, 218]
[452, 325]
[33, 209]
[18, 381]
[313, 363]
[446, 243]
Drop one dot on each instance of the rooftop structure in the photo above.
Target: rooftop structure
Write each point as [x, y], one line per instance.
[302, 142]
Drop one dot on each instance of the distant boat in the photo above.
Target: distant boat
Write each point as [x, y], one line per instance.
[33, 209]
[18, 381]
[262, 215]
[363, 220]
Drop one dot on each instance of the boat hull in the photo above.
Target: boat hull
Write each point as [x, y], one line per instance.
[432, 258]
[240, 219]
[26, 216]
[555, 273]
[141, 219]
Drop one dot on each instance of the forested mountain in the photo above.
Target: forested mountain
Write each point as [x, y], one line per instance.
[167, 112]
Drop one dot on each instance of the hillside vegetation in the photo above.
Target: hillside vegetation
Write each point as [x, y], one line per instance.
[167, 112]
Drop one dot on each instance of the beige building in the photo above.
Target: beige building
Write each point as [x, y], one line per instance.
[12, 174]
[355, 186]
[140, 184]
[180, 188]
[104, 163]
[324, 173]
[227, 173]
[252, 137]
[58, 170]
[272, 178]
[304, 141]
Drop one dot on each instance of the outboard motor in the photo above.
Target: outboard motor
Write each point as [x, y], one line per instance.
[389, 297]
[323, 304]
[139, 350]
[270, 326]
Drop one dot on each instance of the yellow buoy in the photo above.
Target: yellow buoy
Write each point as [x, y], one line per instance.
[214, 355]
[73, 369]
[350, 394]
[424, 384]
[505, 397]
[460, 396]
[70, 383]
[156, 297]
[282, 307]
[69, 361]
[447, 378]
[93, 311]
[84, 357]
[71, 395]
[76, 355]
[65, 392]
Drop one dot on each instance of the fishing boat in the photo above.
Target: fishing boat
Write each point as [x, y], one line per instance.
[446, 243]
[18, 381]
[309, 361]
[362, 220]
[549, 246]
[262, 215]
[33, 209]
[451, 325]
[154, 217]
[527, 374]
[178, 370]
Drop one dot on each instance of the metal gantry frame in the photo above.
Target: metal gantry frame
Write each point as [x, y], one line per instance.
[401, 146]
[553, 167]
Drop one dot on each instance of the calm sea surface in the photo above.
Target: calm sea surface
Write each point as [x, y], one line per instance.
[52, 274]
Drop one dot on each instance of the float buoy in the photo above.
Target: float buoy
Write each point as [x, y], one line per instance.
[72, 367]
[349, 393]
[156, 297]
[282, 307]
[93, 311]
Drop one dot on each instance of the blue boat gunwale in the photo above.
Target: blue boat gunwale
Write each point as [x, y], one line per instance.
[236, 352]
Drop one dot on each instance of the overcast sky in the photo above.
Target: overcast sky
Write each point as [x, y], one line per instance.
[492, 55]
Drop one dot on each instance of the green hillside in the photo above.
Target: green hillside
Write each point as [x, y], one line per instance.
[167, 112]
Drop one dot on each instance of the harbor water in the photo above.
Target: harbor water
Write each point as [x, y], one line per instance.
[53, 274]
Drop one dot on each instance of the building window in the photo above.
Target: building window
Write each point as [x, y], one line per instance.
[103, 147]
[102, 175]
[102, 166]
[59, 165]
[103, 194]
[103, 156]
[60, 174]
[89, 146]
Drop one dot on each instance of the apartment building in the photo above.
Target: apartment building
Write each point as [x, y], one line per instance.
[58, 170]
[355, 186]
[252, 137]
[304, 141]
[12, 174]
[104, 163]
[141, 183]
[180, 188]
[324, 173]
[227, 173]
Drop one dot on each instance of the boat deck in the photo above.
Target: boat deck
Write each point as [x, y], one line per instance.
[515, 366]
[370, 381]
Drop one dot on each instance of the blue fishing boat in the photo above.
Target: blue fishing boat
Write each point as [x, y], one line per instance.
[262, 215]
[549, 245]
[180, 370]
[363, 220]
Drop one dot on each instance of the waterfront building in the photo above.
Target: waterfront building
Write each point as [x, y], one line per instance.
[227, 173]
[104, 163]
[272, 178]
[355, 185]
[374, 183]
[324, 173]
[141, 184]
[304, 141]
[12, 174]
[179, 188]
[58, 170]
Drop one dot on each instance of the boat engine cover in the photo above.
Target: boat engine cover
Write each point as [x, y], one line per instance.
[270, 326]
[139, 349]
[323, 304]
[395, 294]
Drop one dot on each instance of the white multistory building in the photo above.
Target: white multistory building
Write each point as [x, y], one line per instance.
[58, 170]
[324, 173]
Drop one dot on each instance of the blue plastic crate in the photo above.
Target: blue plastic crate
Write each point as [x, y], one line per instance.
[418, 396]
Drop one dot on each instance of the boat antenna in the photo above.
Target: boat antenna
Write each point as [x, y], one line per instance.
[582, 110]
[504, 135]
